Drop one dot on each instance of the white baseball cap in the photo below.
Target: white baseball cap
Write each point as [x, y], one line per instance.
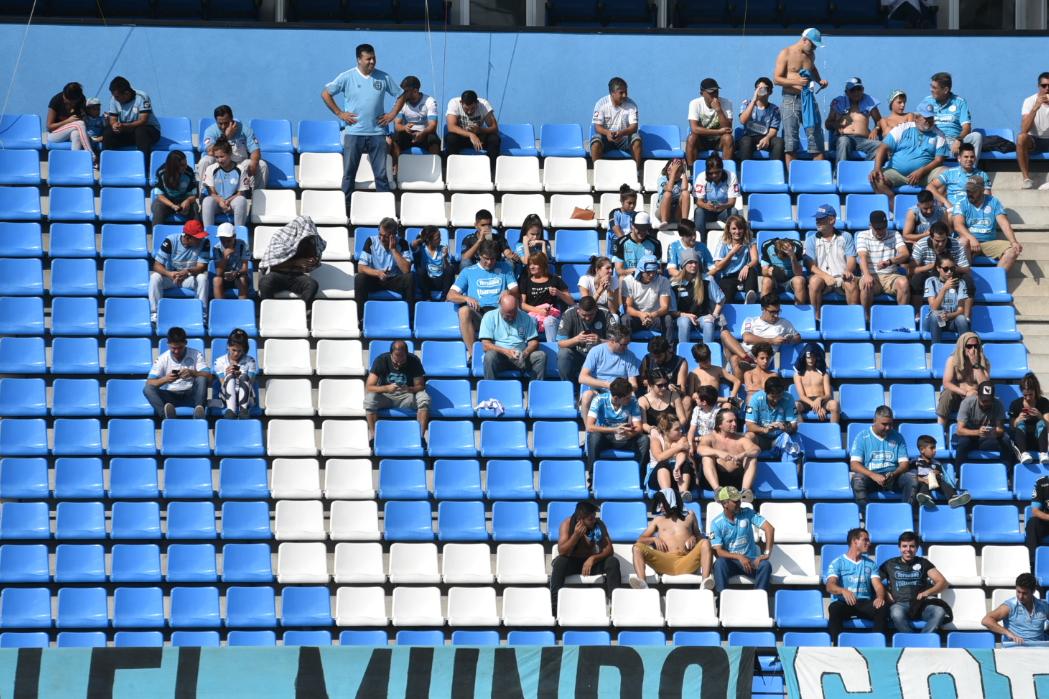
[226, 230]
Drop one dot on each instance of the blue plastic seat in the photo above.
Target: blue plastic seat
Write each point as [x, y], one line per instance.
[853, 177]
[991, 286]
[431, 637]
[124, 398]
[660, 141]
[504, 439]
[556, 513]
[971, 639]
[696, 638]
[281, 170]
[507, 392]
[80, 520]
[310, 638]
[77, 437]
[463, 637]
[274, 135]
[23, 355]
[81, 639]
[184, 313]
[25, 608]
[251, 607]
[127, 318]
[21, 240]
[842, 322]
[133, 478]
[811, 177]
[195, 608]
[403, 479]
[22, 203]
[136, 520]
[246, 563]
[37, 639]
[912, 401]
[185, 438]
[132, 437]
[75, 398]
[449, 398]
[122, 168]
[803, 319]
[138, 639]
[409, 520]
[251, 639]
[641, 638]
[363, 638]
[509, 479]
[821, 441]
[138, 608]
[320, 136]
[446, 359]
[457, 479]
[514, 139]
[24, 564]
[136, 563]
[226, 315]
[997, 524]
[24, 520]
[306, 606]
[516, 522]
[616, 480]
[70, 204]
[124, 240]
[754, 639]
[858, 208]
[82, 608]
[776, 481]
[70, 168]
[238, 438]
[386, 319]
[452, 439]
[900, 206]
[530, 638]
[243, 479]
[1009, 360]
[858, 400]
[811, 639]
[853, 361]
[561, 140]
[24, 479]
[191, 520]
[573, 246]
[586, 638]
[762, 176]
[73, 316]
[401, 438]
[893, 323]
[861, 639]
[556, 439]
[625, 520]
[832, 520]
[245, 520]
[71, 240]
[460, 521]
[176, 133]
[771, 212]
[911, 431]
[436, 320]
[552, 400]
[20, 131]
[23, 437]
[21, 316]
[122, 205]
[885, 520]
[943, 525]
[903, 360]
[195, 639]
[23, 398]
[21, 277]
[995, 323]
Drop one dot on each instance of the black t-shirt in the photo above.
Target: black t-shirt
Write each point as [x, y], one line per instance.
[61, 110]
[536, 294]
[669, 367]
[1017, 406]
[497, 237]
[685, 299]
[571, 325]
[905, 580]
[404, 375]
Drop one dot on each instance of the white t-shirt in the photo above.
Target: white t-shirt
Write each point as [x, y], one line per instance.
[706, 116]
[587, 282]
[765, 330]
[830, 255]
[703, 420]
[417, 116]
[165, 364]
[455, 108]
[615, 118]
[646, 296]
[1040, 127]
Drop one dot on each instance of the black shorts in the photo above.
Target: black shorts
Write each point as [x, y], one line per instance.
[404, 141]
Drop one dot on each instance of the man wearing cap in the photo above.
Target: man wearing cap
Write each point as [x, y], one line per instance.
[832, 256]
[732, 538]
[628, 250]
[951, 113]
[948, 184]
[616, 123]
[909, 153]
[977, 220]
[850, 117]
[898, 113]
[797, 75]
[761, 123]
[710, 123]
[673, 543]
[181, 261]
[981, 425]
[881, 253]
[1034, 130]
[646, 298]
[879, 462]
[384, 265]
[510, 340]
[855, 587]
[231, 258]
[729, 457]
[613, 421]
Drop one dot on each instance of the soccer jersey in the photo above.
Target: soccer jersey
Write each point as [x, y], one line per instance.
[376, 256]
[922, 222]
[854, 576]
[737, 536]
[879, 249]
[911, 148]
[950, 116]
[477, 282]
[606, 365]
[956, 178]
[165, 364]
[225, 183]
[877, 454]
[432, 262]
[615, 118]
[905, 580]
[236, 259]
[628, 251]
[243, 142]
[127, 112]
[761, 119]
[514, 335]
[363, 95]
[607, 415]
[952, 298]
[248, 366]
[175, 255]
[736, 261]
[1029, 626]
[418, 116]
[702, 254]
[982, 220]
[761, 413]
[716, 192]
[623, 219]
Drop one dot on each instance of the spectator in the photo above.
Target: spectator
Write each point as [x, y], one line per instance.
[384, 265]
[878, 461]
[783, 265]
[925, 253]
[472, 124]
[948, 186]
[698, 300]
[477, 290]
[715, 191]
[293, 252]
[850, 122]
[582, 327]
[245, 151]
[710, 123]
[179, 376]
[544, 295]
[175, 192]
[832, 256]
[703, 415]
[1021, 619]
[981, 425]
[812, 383]
[182, 261]
[613, 421]
[771, 417]
[909, 153]
[621, 219]
[225, 188]
[533, 240]
[963, 371]
[881, 252]
[606, 362]
[396, 380]
[415, 125]
[932, 475]
[855, 587]
[471, 244]
[615, 125]
[673, 543]
[754, 379]
[670, 465]
[686, 241]
[978, 218]
[922, 216]
[583, 548]
[602, 285]
[434, 266]
[735, 265]
[94, 123]
[952, 114]
[510, 341]
[1037, 528]
[672, 199]
[363, 89]
[1034, 130]
[646, 298]
[912, 583]
[732, 538]
[897, 115]
[1029, 415]
[761, 124]
[131, 118]
[950, 305]
[628, 252]
[65, 119]
[729, 457]
[661, 398]
[797, 75]
[231, 259]
[236, 372]
[769, 326]
[661, 358]
[711, 375]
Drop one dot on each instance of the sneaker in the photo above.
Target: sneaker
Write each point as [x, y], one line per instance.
[1025, 457]
[229, 414]
[1044, 187]
[708, 583]
[1027, 183]
[198, 412]
[751, 297]
[924, 499]
[686, 496]
[959, 500]
[1043, 457]
[169, 410]
[747, 495]
[638, 583]
[153, 318]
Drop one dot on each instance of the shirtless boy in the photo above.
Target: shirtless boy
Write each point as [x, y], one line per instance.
[729, 455]
[754, 380]
[799, 56]
[812, 382]
[708, 374]
[672, 544]
[897, 115]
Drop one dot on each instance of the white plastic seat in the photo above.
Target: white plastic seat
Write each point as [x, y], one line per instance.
[359, 563]
[466, 206]
[610, 175]
[336, 280]
[516, 207]
[690, 608]
[282, 318]
[368, 208]
[1000, 595]
[652, 171]
[606, 203]
[472, 606]
[360, 606]
[340, 398]
[665, 238]
[625, 554]
[413, 564]
[337, 243]
[348, 479]
[286, 358]
[565, 175]
[419, 173]
[320, 170]
[633, 608]
[713, 509]
[289, 397]
[527, 606]
[999, 565]
[290, 438]
[295, 479]
[423, 209]
[469, 173]
[417, 606]
[365, 177]
[969, 606]
[581, 606]
[261, 240]
[345, 438]
[520, 564]
[299, 520]
[273, 206]
[354, 520]
[790, 521]
[794, 564]
[562, 206]
[517, 174]
[467, 564]
[957, 563]
[340, 358]
[334, 319]
[325, 207]
[302, 563]
[745, 609]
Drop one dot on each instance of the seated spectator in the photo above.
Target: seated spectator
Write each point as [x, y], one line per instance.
[601, 284]
[533, 241]
[687, 241]
[769, 326]
[613, 421]
[244, 148]
[850, 122]
[510, 341]
[434, 266]
[710, 123]
[909, 153]
[963, 371]
[621, 218]
[715, 191]
[932, 475]
[672, 198]
[384, 265]
[182, 261]
[925, 256]
[832, 260]
[879, 462]
[754, 379]
[627, 252]
[712, 376]
[661, 358]
[698, 300]
[1037, 528]
[131, 118]
[783, 265]
[812, 382]
[703, 416]
[981, 224]
[225, 188]
[881, 253]
[732, 538]
[236, 372]
[231, 258]
[951, 113]
[1021, 619]
[855, 588]
[416, 123]
[583, 548]
[729, 457]
[897, 115]
[673, 543]
[761, 124]
[179, 376]
[544, 295]
[293, 252]
[661, 398]
[948, 184]
[922, 216]
[772, 419]
[471, 244]
[477, 290]
[1029, 416]
[616, 124]
[471, 124]
[670, 464]
[950, 305]
[735, 267]
[606, 362]
[1033, 135]
[175, 192]
[396, 380]
[981, 425]
[646, 299]
[65, 119]
[582, 328]
[94, 124]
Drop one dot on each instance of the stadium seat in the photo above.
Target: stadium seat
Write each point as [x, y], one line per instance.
[957, 563]
[320, 170]
[71, 277]
[21, 316]
[192, 562]
[75, 398]
[289, 398]
[326, 208]
[225, 315]
[861, 639]
[517, 174]
[250, 607]
[789, 519]
[904, 360]
[24, 479]
[885, 520]
[468, 563]
[386, 319]
[359, 563]
[552, 400]
[452, 439]
[122, 205]
[194, 608]
[449, 398]
[319, 136]
[73, 437]
[999, 565]
[127, 317]
[996, 524]
[811, 177]
[400, 438]
[859, 208]
[238, 438]
[1009, 360]
[831, 521]
[273, 206]
[995, 323]
[581, 607]
[23, 204]
[133, 478]
[243, 479]
[821, 441]
[25, 608]
[408, 521]
[23, 398]
[125, 278]
[557, 439]
[853, 177]
[771, 212]
[561, 140]
[22, 240]
[20, 131]
[187, 479]
[943, 525]
[75, 240]
[274, 135]
[858, 400]
[457, 479]
[854, 360]
[515, 522]
[246, 563]
[21, 277]
[73, 316]
[1041, 565]
[185, 438]
[745, 609]
[509, 479]
[985, 481]
[974, 640]
[990, 283]
[625, 520]
[460, 521]
[135, 520]
[28, 564]
[138, 607]
[187, 314]
[469, 173]
[334, 358]
[299, 520]
[122, 168]
[762, 176]
[504, 439]
[844, 323]
[358, 520]
[403, 479]
[25, 355]
[912, 401]
[290, 438]
[414, 564]
[616, 480]
[436, 321]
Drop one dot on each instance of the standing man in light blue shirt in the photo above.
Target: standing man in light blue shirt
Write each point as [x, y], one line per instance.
[952, 114]
[364, 116]
[510, 339]
[878, 460]
[129, 118]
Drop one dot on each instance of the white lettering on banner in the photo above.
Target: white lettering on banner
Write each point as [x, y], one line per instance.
[917, 665]
[812, 664]
[1021, 666]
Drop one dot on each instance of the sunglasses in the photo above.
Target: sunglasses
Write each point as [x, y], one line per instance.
[949, 270]
[661, 385]
[972, 345]
[1044, 86]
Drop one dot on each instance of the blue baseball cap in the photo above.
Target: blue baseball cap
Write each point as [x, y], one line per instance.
[925, 110]
[648, 263]
[852, 84]
[825, 211]
[814, 35]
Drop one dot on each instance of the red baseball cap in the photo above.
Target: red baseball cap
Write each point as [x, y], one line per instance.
[194, 229]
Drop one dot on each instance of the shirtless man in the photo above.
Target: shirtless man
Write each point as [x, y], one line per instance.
[850, 117]
[812, 382]
[672, 544]
[799, 56]
[897, 115]
[709, 374]
[727, 453]
[754, 380]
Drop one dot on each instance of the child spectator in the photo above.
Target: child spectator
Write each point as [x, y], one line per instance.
[435, 268]
[715, 191]
[225, 186]
[231, 257]
[621, 220]
[236, 371]
[709, 374]
[533, 241]
[812, 382]
[94, 122]
[933, 476]
[704, 414]
[754, 380]
[672, 184]
[686, 231]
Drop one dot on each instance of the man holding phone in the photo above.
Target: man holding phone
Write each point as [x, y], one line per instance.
[761, 124]
[179, 377]
[981, 425]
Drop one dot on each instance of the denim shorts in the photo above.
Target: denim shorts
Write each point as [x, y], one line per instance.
[790, 114]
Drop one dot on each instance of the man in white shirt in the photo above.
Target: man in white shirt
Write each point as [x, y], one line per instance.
[615, 123]
[882, 253]
[1034, 130]
[416, 123]
[710, 123]
[471, 124]
[768, 327]
[646, 297]
[833, 255]
[178, 377]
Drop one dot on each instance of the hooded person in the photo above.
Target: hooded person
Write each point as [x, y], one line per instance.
[292, 253]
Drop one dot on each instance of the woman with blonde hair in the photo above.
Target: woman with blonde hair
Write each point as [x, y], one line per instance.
[965, 369]
[699, 301]
[735, 265]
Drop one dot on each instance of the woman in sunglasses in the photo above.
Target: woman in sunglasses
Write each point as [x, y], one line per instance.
[950, 304]
[659, 400]
[963, 372]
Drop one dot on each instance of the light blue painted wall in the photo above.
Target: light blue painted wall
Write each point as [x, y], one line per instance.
[534, 77]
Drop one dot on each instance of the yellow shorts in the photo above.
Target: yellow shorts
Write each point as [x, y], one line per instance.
[672, 563]
[994, 249]
[887, 283]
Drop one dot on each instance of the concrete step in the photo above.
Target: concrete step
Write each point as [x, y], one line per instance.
[1028, 285]
[1031, 308]
[1035, 333]
[1038, 363]
[1011, 198]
